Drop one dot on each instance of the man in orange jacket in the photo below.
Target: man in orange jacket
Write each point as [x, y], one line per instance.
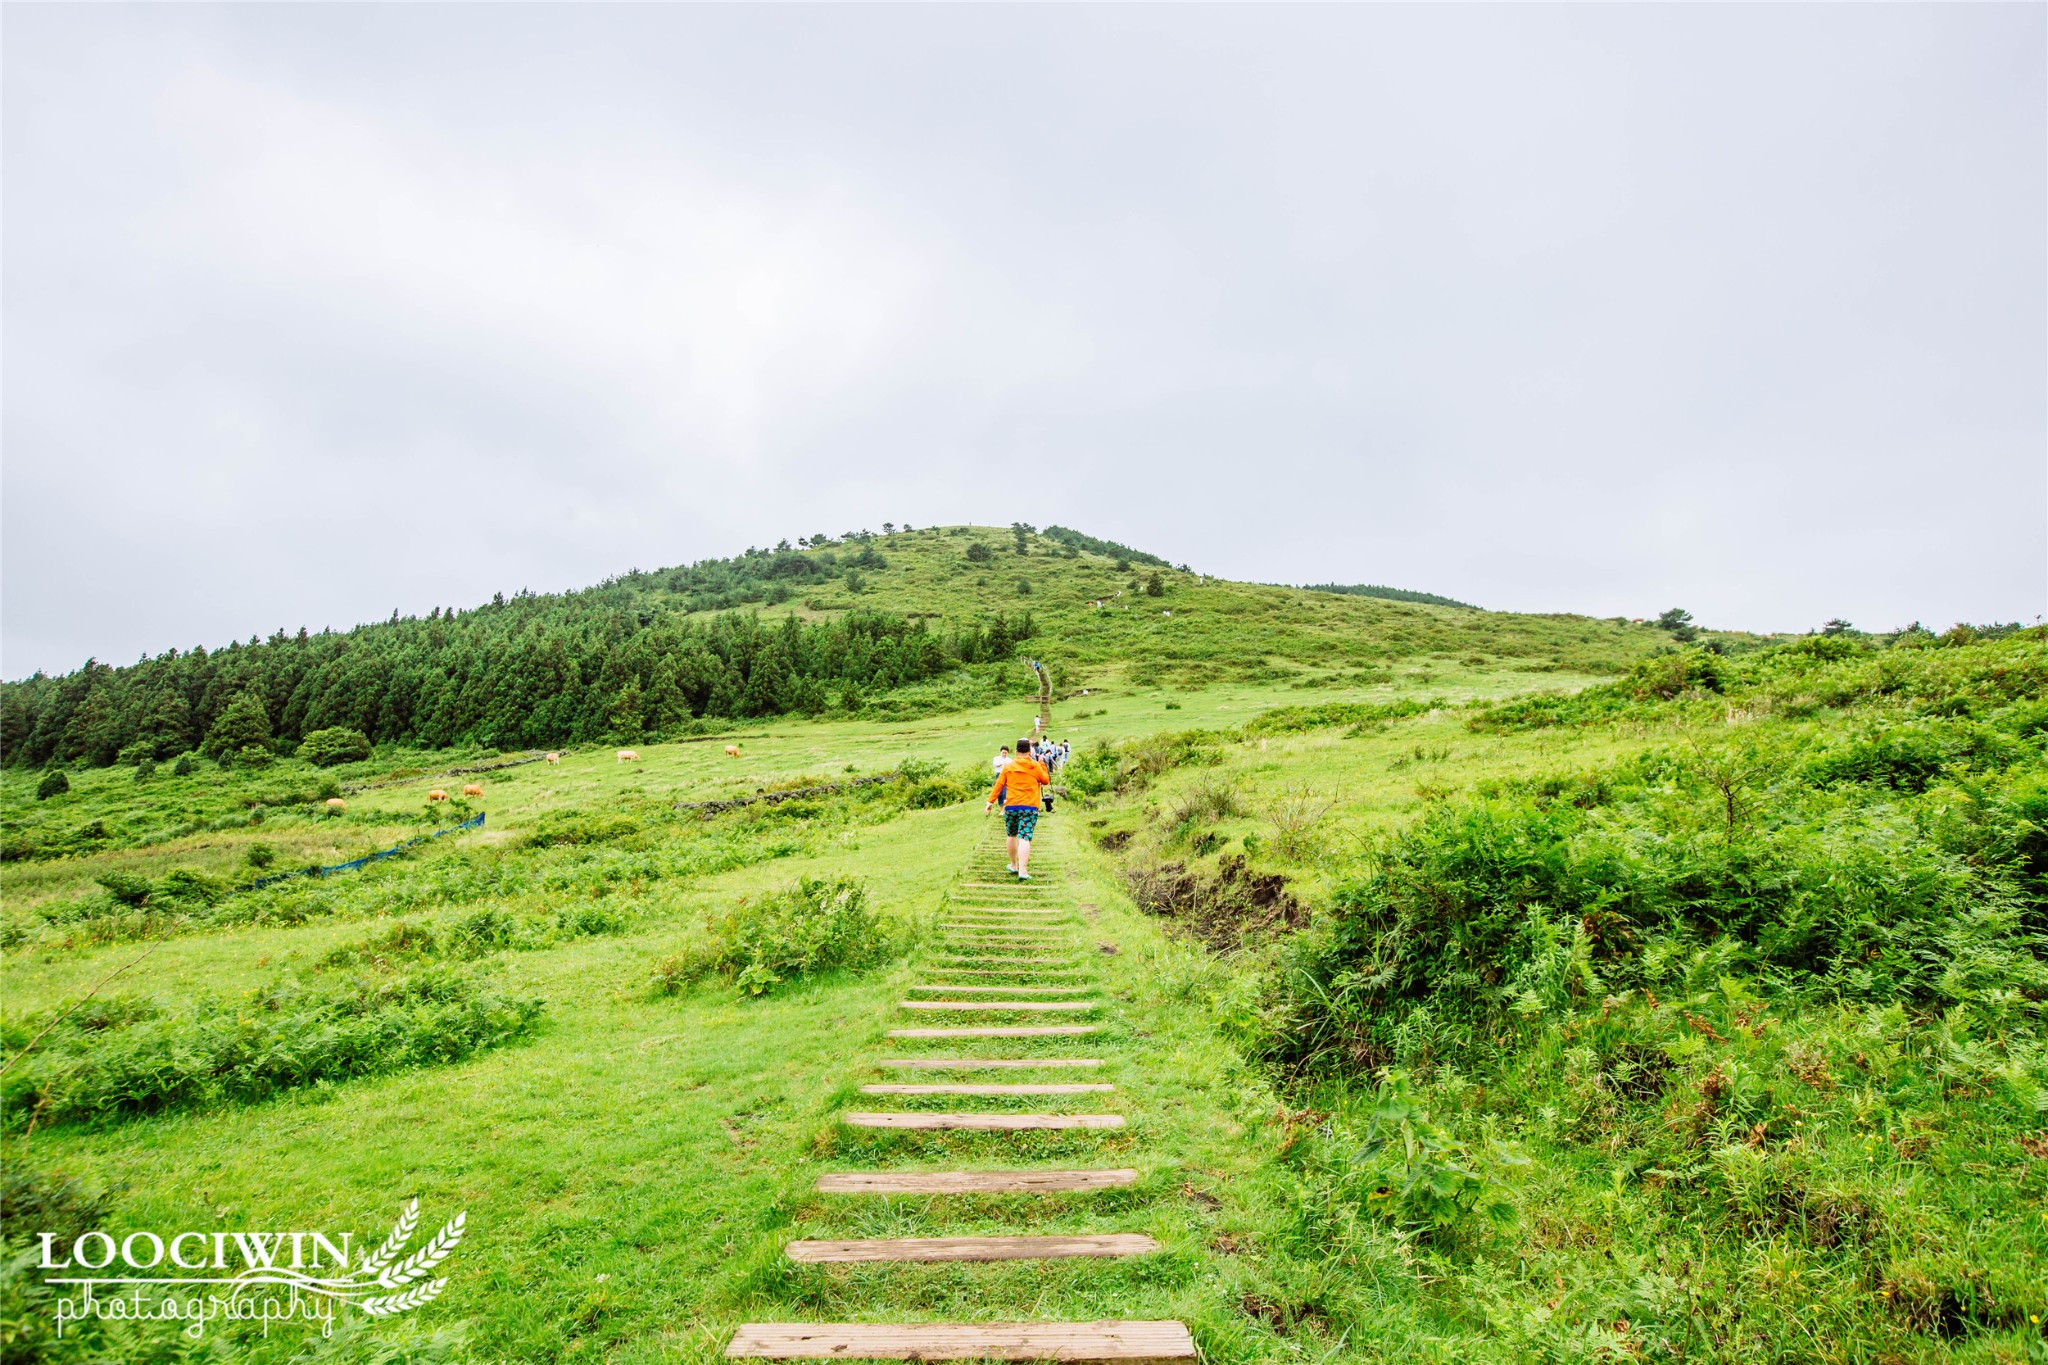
[1018, 786]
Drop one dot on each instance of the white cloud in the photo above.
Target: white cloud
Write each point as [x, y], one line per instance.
[312, 312]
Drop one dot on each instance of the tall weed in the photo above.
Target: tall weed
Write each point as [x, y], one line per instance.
[100, 1068]
[818, 925]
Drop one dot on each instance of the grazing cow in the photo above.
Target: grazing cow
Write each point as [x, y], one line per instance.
[628, 756]
[554, 758]
[335, 803]
[473, 789]
[732, 751]
[437, 795]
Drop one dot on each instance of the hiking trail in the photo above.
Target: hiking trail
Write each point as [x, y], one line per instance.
[1008, 953]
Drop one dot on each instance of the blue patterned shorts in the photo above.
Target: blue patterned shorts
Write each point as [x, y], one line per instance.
[1019, 821]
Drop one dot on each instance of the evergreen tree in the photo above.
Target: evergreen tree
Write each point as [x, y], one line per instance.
[243, 724]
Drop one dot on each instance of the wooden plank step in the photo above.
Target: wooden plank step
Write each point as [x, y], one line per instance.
[1025, 1089]
[979, 1123]
[984, 957]
[1011, 923]
[1121, 1342]
[967, 933]
[1040, 1248]
[1015, 1031]
[1006, 1006]
[1011, 971]
[967, 989]
[971, 1182]
[1004, 905]
[981, 1063]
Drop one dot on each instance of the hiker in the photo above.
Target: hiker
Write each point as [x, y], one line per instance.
[1002, 761]
[1018, 786]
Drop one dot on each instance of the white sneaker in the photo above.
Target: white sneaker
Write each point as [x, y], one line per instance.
[1023, 876]
[1011, 868]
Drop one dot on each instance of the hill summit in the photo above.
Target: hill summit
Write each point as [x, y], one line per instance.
[900, 623]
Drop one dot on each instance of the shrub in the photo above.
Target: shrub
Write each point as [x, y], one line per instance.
[815, 926]
[125, 887]
[191, 885]
[673, 973]
[34, 1204]
[1287, 720]
[245, 1049]
[579, 827]
[482, 933]
[402, 940]
[184, 767]
[1155, 586]
[337, 744]
[259, 855]
[145, 770]
[1664, 676]
[54, 783]
[931, 795]
[1204, 804]
[1422, 1177]
[1296, 814]
[1109, 767]
[1490, 911]
[979, 553]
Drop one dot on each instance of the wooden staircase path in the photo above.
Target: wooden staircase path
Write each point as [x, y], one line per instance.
[1020, 932]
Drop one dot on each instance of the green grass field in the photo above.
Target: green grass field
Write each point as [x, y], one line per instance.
[1693, 1152]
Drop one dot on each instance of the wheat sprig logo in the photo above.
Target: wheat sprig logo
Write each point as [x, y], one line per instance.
[401, 1233]
[381, 1269]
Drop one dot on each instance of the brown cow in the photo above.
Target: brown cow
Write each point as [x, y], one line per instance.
[732, 751]
[554, 758]
[628, 756]
[473, 789]
[437, 795]
[335, 803]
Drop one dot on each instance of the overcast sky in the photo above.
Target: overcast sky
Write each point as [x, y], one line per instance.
[316, 312]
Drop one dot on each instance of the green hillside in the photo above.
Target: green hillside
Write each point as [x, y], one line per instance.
[901, 624]
[1467, 986]
[1195, 629]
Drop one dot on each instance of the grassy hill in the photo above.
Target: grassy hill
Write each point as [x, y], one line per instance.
[1196, 629]
[894, 625]
[1569, 996]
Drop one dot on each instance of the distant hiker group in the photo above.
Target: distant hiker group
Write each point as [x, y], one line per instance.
[1024, 787]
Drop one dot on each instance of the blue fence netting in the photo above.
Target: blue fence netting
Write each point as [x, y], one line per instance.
[352, 864]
